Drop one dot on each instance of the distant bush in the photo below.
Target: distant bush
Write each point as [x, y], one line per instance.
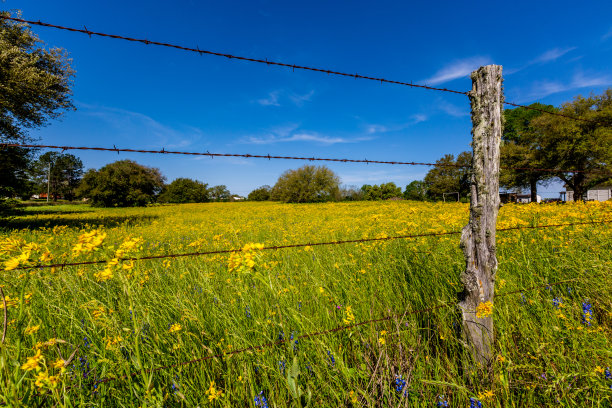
[308, 184]
[260, 194]
[184, 190]
[123, 183]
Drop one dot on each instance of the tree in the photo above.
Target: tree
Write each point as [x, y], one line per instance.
[123, 183]
[36, 87]
[308, 184]
[416, 190]
[184, 190]
[449, 176]
[519, 150]
[383, 192]
[220, 193]
[584, 146]
[351, 193]
[62, 172]
[260, 194]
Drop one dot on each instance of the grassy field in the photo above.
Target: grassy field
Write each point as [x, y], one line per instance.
[127, 319]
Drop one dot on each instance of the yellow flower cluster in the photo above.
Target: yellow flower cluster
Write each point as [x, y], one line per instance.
[213, 393]
[175, 328]
[88, 242]
[128, 246]
[349, 317]
[484, 309]
[244, 261]
[46, 381]
[112, 342]
[33, 362]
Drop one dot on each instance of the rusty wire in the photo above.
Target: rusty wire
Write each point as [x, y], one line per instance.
[230, 56]
[270, 157]
[320, 333]
[311, 244]
[292, 66]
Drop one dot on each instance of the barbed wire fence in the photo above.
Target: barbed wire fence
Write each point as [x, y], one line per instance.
[91, 33]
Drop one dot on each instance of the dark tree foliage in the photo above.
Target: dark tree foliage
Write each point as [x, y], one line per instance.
[63, 172]
[416, 191]
[383, 192]
[520, 150]
[446, 177]
[308, 184]
[121, 184]
[34, 88]
[219, 193]
[585, 146]
[184, 190]
[260, 194]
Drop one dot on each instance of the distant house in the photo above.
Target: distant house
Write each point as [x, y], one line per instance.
[510, 197]
[600, 192]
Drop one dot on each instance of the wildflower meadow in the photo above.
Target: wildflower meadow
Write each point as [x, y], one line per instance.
[282, 328]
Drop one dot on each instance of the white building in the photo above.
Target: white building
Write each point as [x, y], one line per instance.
[601, 192]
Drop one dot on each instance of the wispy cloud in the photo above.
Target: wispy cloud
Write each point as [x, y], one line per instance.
[271, 100]
[130, 125]
[453, 110]
[378, 128]
[607, 35]
[303, 137]
[552, 55]
[548, 56]
[544, 88]
[274, 98]
[458, 69]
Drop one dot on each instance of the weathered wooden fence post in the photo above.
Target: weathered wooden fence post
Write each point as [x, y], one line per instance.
[478, 236]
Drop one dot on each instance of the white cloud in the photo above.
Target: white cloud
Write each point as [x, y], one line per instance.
[299, 100]
[271, 100]
[453, 110]
[414, 119]
[544, 88]
[552, 55]
[607, 35]
[130, 125]
[458, 69]
[275, 97]
[302, 137]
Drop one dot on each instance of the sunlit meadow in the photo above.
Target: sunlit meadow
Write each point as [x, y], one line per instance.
[95, 335]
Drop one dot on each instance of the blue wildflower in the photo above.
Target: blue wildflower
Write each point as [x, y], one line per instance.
[281, 336]
[557, 302]
[608, 374]
[442, 402]
[587, 313]
[523, 298]
[299, 305]
[247, 312]
[296, 346]
[400, 384]
[474, 403]
[261, 401]
[281, 366]
[332, 360]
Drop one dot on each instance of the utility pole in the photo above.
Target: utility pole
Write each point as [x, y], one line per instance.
[48, 180]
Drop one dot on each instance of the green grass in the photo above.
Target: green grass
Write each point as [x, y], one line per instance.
[544, 359]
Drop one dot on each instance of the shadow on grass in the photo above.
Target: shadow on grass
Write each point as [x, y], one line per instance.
[33, 223]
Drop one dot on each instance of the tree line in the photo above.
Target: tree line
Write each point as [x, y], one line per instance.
[37, 87]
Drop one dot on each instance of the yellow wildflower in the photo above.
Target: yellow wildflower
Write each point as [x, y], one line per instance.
[104, 275]
[349, 317]
[599, 370]
[175, 328]
[485, 395]
[33, 362]
[59, 363]
[11, 264]
[213, 393]
[31, 330]
[484, 309]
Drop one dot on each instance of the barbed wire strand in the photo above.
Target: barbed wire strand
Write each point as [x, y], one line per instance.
[323, 332]
[270, 157]
[301, 245]
[230, 56]
[281, 64]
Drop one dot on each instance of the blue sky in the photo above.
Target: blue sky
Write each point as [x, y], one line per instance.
[137, 96]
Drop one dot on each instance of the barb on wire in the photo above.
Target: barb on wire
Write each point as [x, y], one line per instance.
[310, 244]
[320, 333]
[281, 64]
[269, 157]
[230, 56]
